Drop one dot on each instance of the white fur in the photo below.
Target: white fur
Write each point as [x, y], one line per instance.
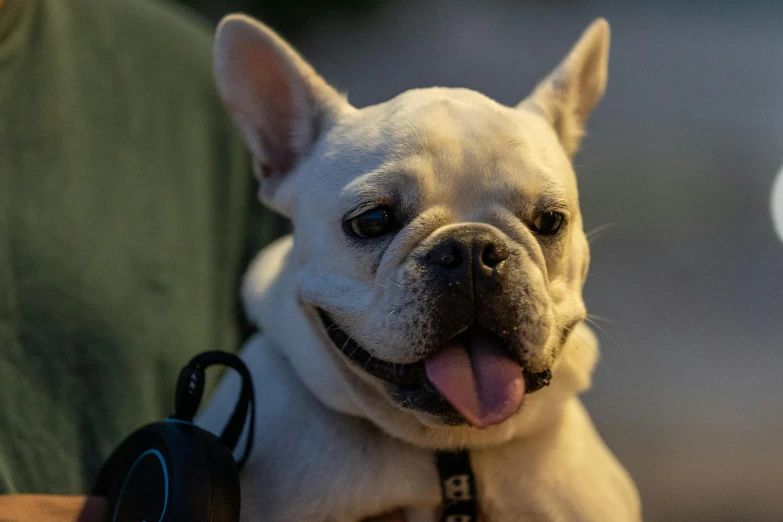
[330, 444]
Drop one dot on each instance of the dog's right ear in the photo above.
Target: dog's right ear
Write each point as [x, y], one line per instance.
[567, 96]
[279, 102]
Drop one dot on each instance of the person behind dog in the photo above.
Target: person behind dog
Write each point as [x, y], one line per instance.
[126, 204]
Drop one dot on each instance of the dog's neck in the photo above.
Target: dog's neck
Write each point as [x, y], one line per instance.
[272, 303]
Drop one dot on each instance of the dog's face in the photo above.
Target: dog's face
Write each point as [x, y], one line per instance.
[438, 239]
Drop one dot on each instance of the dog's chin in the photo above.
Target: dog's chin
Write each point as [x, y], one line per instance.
[418, 388]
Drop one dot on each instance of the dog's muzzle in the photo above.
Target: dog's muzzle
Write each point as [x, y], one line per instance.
[411, 386]
[472, 360]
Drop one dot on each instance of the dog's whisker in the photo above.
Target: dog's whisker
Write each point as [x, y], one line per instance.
[383, 400]
[346, 344]
[596, 232]
[395, 283]
[353, 352]
[332, 327]
[586, 343]
[557, 282]
[600, 318]
[604, 330]
[574, 332]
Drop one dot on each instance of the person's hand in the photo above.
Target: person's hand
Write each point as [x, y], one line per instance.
[53, 508]
[397, 516]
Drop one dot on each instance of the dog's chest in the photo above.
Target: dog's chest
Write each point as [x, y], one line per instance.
[347, 472]
[311, 464]
[340, 475]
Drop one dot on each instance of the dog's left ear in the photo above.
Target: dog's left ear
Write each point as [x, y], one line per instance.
[568, 95]
[278, 100]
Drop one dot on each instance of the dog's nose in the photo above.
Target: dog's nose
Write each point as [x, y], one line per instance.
[468, 254]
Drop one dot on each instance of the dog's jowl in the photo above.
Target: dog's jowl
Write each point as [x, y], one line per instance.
[429, 300]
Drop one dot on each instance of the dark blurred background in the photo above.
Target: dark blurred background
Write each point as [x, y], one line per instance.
[675, 176]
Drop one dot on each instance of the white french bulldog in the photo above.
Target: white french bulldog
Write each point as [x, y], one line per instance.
[429, 293]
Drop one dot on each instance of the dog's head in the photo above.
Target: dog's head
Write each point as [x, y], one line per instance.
[438, 241]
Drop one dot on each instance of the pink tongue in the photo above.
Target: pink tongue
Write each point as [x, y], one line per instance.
[483, 383]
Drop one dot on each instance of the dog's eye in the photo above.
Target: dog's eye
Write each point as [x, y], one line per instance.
[373, 223]
[548, 223]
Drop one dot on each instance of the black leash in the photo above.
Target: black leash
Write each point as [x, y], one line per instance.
[457, 486]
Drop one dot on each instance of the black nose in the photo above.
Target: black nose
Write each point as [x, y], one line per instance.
[468, 253]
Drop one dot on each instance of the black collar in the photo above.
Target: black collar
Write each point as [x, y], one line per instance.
[457, 486]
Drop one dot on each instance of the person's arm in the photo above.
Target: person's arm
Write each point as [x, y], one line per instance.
[53, 508]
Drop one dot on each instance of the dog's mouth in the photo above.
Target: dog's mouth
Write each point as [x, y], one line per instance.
[474, 376]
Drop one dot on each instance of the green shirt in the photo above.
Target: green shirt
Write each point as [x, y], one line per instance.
[125, 204]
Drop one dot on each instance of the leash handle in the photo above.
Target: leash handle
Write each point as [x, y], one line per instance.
[190, 389]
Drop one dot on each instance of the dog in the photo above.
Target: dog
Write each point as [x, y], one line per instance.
[429, 293]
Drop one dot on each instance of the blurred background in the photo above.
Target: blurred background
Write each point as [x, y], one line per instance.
[675, 179]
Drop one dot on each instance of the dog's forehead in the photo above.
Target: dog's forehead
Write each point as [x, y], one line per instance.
[453, 140]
